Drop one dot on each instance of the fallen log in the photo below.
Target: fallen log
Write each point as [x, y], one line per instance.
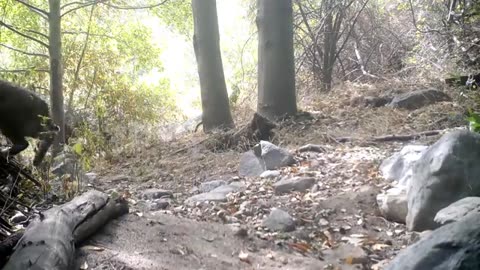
[48, 243]
[390, 138]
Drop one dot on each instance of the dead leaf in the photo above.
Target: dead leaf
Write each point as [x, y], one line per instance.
[301, 247]
[244, 257]
[84, 266]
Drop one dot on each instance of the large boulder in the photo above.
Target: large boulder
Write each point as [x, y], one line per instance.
[458, 210]
[399, 166]
[393, 203]
[418, 98]
[447, 172]
[454, 246]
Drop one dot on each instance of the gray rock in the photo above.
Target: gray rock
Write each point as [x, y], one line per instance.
[270, 174]
[454, 246]
[159, 204]
[91, 176]
[117, 178]
[211, 185]
[447, 172]
[417, 99]
[279, 220]
[376, 102]
[65, 164]
[354, 254]
[399, 166]
[273, 156]
[232, 187]
[251, 165]
[155, 193]
[218, 194]
[458, 210]
[293, 184]
[209, 196]
[393, 204]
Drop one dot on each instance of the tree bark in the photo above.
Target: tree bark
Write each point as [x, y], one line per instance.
[276, 69]
[206, 42]
[56, 72]
[49, 241]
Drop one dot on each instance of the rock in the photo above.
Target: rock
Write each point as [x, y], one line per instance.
[155, 193]
[447, 172]
[370, 101]
[273, 156]
[376, 102]
[117, 178]
[399, 166]
[211, 185]
[312, 148]
[293, 184]
[239, 230]
[209, 196]
[251, 165]
[270, 174]
[159, 204]
[67, 164]
[393, 204]
[218, 194]
[454, 246]
[236, 186]
[417, 99]
[458, 210]
[279, 220]
[347, 252]
[91, 176]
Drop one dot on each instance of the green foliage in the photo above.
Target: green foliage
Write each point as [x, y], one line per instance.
[474, 121]
[106, 54]
[178, 15]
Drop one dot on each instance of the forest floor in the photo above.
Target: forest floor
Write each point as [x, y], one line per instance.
[338, 222]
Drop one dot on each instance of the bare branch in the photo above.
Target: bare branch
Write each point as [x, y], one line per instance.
[74, 3]
[94, 35]
[79, 63]
[135, 7]
[80, 6]
[24, 52]
[37, 33]
[40, 11]
[23, 70]
[354, 21]
[414, 19]
[11, 28]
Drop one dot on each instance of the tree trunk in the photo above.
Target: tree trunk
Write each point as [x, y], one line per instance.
[276, 70]
[56, 72]
[206, 42]
[329, 47]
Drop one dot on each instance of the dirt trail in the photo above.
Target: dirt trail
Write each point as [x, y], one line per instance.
[160, 241]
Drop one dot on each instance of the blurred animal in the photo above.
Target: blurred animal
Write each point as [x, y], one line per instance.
[24, 114]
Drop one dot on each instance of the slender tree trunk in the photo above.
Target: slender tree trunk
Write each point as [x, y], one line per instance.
[206, 42]
[276, 69]
[56, 72]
